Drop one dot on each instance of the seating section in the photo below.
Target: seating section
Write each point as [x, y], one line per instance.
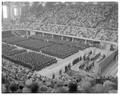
[13, 52]
[28, 59]
[80, 44]
[13, 40]
[24, 80]
[60, 51]
[19, 32]
[6, 34]
[7, 47]
[95, 21]
[33, 60]
[8, 50]
[34, 44]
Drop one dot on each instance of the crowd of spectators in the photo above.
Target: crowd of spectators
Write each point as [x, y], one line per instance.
[96, 21]
[18, 79]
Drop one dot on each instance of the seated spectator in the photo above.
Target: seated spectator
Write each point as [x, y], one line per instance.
[98, 88]
[99, 80]
[20, 88]
[85, 85]
[43, 89]
[73, 87]
[34, 88]
[113, 91]
[13, 87]
[4, 89]
[26, 90]
[61, 90]
[28, 83]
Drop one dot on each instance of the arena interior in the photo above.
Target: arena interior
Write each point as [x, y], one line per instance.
[59, 47]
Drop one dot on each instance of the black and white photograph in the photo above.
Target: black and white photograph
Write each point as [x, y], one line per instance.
[59, 47]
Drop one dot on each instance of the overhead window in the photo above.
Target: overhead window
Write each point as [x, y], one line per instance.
[15, 11]
[5, 14]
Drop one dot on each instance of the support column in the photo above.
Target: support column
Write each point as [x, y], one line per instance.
[62, 38]
[42, 34]
[85, 41]
[52, 36]
[8, 11]
[72, 39]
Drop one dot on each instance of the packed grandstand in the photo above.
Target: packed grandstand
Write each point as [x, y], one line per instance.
[57, 47]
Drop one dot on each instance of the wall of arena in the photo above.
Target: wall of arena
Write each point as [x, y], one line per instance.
[107, 61]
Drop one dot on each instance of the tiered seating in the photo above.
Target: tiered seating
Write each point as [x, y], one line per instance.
[14, 71]
[33, 60]
[82, 20]
[60, 51]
